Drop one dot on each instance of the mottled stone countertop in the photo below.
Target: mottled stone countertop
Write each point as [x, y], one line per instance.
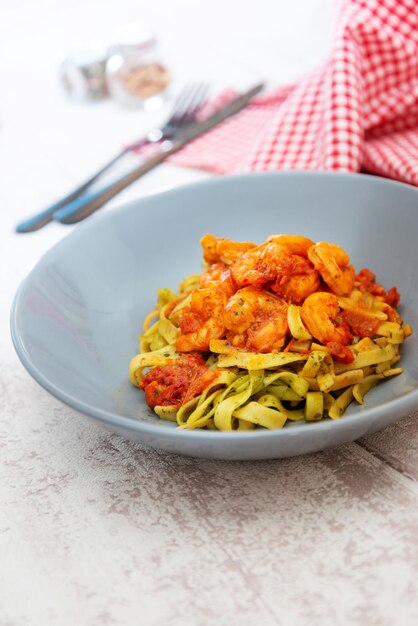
[96, 530]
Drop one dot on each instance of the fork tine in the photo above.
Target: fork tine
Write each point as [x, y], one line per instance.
[195, 103]
[181, 102]
[194, 96]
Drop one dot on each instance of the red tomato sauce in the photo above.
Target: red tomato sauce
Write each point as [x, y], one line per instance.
[367, 280]
[340, 353]
[361, 325]
[177, 383]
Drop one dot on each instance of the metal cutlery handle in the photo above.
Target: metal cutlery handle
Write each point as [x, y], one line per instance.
[82, 207]
[42, 218]
[37, 221]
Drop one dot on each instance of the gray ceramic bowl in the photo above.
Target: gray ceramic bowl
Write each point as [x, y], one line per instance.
[77, 315]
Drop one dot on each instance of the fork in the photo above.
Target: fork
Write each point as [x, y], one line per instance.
[183, 112]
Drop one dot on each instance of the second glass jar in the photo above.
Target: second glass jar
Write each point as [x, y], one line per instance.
[136, 75]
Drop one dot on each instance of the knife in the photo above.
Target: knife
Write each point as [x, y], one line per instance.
[87, 204]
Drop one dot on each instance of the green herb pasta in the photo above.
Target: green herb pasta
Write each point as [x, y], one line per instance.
[266, 334]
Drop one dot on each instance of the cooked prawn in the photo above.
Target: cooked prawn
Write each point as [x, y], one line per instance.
[218, 275]
[332, 262]
[294, 243]
[259, 266]
[296, 280]
[201, 320]
[273, 264]
[217, 249]
[319, 313]
[256, 320]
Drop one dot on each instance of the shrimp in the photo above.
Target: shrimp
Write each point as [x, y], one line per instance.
[260, 265]
[219, 276]
[319, 313]
[217, 249]
[201, 320]
[289, 275]
[333, 265]
[294, 243]
[297, 280]
[256, 320]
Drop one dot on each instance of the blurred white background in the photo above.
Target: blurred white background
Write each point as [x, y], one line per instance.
[48, 143]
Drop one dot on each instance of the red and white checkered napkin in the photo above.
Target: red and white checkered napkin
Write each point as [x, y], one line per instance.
[358, 111]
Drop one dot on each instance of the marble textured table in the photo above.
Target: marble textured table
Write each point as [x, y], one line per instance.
[96, 530]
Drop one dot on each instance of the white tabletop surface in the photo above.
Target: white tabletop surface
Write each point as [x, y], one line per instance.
[96, 530]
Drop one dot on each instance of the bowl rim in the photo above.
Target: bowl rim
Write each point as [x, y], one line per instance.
[406, 403]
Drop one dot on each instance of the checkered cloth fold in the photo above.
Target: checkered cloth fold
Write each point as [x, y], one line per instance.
[359, 111]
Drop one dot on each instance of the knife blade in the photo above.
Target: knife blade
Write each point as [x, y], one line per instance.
[84, 206]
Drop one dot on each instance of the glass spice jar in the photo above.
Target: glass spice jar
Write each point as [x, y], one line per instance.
[83, 73]
[134, 70]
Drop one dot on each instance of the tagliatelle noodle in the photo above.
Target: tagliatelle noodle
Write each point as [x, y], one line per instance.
[305, 380]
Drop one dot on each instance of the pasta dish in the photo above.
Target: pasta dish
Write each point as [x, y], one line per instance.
[284, 330]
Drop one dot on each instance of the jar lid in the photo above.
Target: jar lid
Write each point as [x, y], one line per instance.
[135, 37]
